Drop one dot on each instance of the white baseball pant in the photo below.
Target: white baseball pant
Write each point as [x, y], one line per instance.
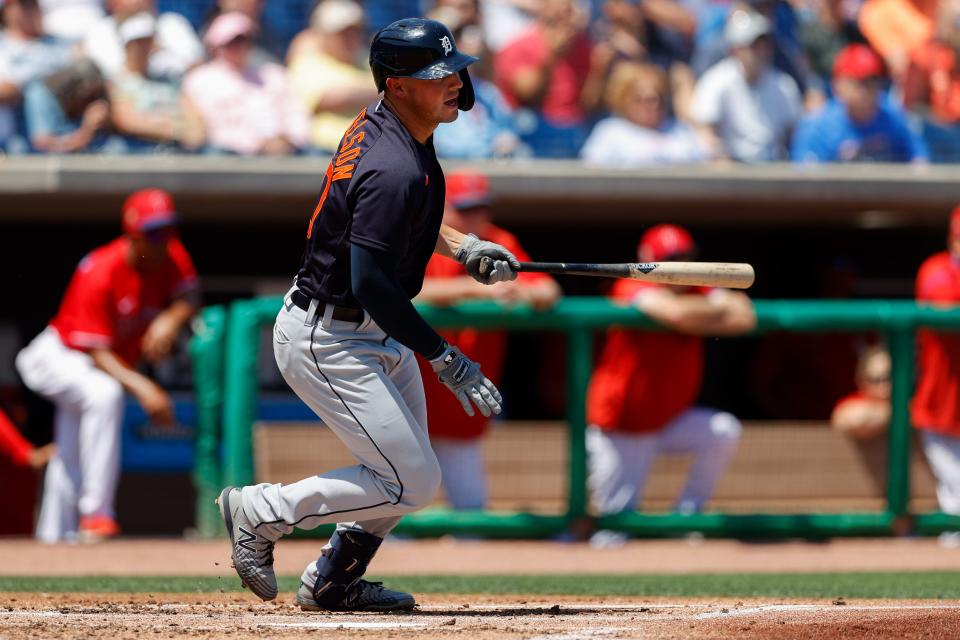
[366, 388]
[81, 478]
[619, 462]
[464, 473]
[943, 454]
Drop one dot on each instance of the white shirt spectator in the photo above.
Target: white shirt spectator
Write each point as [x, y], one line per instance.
[178, 47]
[621, 143]
[754, 121]
[70, 19]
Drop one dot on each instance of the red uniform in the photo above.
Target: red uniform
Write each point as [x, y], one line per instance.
[109, 304]
[488, 348]
[643, 379]
[936, 402]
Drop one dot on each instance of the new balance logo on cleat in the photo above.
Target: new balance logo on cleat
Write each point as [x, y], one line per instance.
[246, 539]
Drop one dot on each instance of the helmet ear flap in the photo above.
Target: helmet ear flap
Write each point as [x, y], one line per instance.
[467, 96]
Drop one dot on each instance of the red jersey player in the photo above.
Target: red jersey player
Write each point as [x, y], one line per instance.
[641, 394]
[126, 298]
[936, 402]
[455, 436]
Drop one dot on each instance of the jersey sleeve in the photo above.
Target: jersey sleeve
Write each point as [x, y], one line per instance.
[92, 322]
[934, 284]
[383, 198]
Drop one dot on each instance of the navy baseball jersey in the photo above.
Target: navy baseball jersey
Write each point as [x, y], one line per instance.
[384, 191]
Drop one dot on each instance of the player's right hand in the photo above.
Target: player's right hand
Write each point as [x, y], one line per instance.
[156, 403]
[463, 377]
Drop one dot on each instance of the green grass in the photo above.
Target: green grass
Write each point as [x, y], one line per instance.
[938, 585]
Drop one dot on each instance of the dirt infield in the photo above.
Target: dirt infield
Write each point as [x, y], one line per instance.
[240, 616]
[80, 617]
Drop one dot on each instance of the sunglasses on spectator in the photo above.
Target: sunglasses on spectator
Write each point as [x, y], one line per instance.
[877, 379]
[647, 98]
[241, 39]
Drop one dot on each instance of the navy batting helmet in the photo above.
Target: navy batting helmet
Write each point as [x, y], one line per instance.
[423, 49]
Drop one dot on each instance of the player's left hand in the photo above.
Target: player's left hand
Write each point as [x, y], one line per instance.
[472, 252]
[463, 377]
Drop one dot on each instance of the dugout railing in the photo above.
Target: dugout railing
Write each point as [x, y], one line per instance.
[225, 354]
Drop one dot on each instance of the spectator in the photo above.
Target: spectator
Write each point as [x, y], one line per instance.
[487, 130]
[932, 85]
[330, 83]
[548, 71]
[130, 296]
[69, 111]
[746, 109]
[264, 45]
[657, 31]
[505, 20]
[787, 52]
[859, 125]
[865, 413]
[26, 55]
[246, 109]
[176, 47]
[641, 394]
[70, 19]
[152, 113]
[895, 28]
[457, 437]
[936, 402]
[641, 130]
[831, 25]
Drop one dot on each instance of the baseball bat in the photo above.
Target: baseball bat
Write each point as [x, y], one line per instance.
[731, 275]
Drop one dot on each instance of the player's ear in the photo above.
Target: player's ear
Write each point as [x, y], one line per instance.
[396, 87]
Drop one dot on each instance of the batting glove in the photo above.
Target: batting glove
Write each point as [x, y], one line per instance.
[499, 265]
[463, 377]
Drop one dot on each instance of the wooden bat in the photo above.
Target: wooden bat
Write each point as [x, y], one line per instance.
[732, 275]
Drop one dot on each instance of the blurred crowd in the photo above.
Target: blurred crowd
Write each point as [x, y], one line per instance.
[615, 82]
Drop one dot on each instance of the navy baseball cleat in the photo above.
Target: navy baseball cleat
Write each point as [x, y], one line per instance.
[362, 596]
[252, 553]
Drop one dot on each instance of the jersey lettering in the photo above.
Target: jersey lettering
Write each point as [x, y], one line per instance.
[338, 169]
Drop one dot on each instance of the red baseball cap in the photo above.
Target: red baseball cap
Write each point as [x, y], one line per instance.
[859, 62]
[147, 210]
[466, 189]
[665, 241]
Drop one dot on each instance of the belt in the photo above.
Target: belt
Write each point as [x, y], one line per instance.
[347, 314]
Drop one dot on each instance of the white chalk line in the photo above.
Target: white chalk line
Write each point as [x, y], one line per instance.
[256, 622]
[774, 608]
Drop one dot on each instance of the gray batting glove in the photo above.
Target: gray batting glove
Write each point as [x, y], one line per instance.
[463, 377]
[487, 262]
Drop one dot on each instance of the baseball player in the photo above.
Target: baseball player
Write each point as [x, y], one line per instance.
[456, 437]
[126, 298]
[865, 413]
[345, 337]
[936, 401]
[641, 395]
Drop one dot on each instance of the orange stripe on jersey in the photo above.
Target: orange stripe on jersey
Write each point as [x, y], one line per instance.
[323, 197]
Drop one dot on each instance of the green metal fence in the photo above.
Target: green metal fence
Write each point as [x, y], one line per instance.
[227, 376]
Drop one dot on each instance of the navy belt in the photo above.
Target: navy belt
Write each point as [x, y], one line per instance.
[346, 314]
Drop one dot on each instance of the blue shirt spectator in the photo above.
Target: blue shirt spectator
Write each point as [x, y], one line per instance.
[859, 125]
[831, 135]
[486, 131]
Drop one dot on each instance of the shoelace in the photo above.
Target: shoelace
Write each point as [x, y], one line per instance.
[361, 589]
[266, 556]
